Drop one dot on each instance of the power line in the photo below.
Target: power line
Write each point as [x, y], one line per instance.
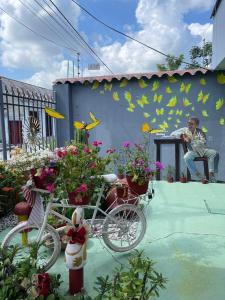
[37, 33]
[81, 37]
[130, 37]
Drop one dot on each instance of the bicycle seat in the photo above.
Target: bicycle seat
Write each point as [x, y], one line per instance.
[110, 177]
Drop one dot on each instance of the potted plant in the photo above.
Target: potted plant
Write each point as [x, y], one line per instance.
[170, 173]
[183, 178]
[79, 167]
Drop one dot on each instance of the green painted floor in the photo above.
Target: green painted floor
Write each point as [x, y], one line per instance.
[186, 241]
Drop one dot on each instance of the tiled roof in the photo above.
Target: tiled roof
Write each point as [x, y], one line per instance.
[129, 76]
[19, 87]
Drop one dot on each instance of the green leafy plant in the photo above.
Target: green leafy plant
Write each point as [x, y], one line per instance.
[139, 281]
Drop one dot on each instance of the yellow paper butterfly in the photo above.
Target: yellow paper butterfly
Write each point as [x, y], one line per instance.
[142, 83]
[176, 125]
[131, 107]
[143, 101]
[164, 125]
[53, 113]
[221, 121]
[193, 108]
[124, 82]
[172, 102]
[115, 96]
[157, 98]
[220, 78]
[107, 86]
[219, 103]
[159, 111]
[205, 113]
[185, 87]
[202, 97]
[187, 115]
[202, 81]
[172, 79]
[179, 112]
[171, 112]
[169, 118]
[146, 128]
[127, 96]
[153, 120]
[146, 115]
[155, 86]
[186, 102]
[204, 129]
[177, 121]
[168, 90]
[82, 125]
[95, 85]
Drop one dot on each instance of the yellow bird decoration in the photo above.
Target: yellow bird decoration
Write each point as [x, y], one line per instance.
[142, 84]
[159, 111]
[185, 88]
[172, 102]
[157, 98]
[115, 96]
[128, 96]
[53, 113]
[123, 83]
[186, 102]
[221, 121]
[172, 79]
[143, 101]
[146, 115]
[220, 78]
[202, 97]
[95, 85]
[82, 125]
[205, 113]
[219, 103]
[155, 86]
[146, 128]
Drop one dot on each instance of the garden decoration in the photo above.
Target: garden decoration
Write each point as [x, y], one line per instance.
[146, 128]
[183, 178]
[23, 210]
[31, 132]
[76, 253]
[170, 173]
[53, 113]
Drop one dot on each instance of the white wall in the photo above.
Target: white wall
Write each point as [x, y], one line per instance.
[218, 57]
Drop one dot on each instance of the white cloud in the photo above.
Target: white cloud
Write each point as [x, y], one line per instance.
[204, 31]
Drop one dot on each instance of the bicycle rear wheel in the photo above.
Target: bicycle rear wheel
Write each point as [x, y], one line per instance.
[124, 228]
[24, 235]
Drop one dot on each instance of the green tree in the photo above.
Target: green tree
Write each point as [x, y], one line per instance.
[201, 56]
[172, 63]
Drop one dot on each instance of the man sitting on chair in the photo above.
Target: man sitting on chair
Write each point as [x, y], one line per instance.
[196, 144]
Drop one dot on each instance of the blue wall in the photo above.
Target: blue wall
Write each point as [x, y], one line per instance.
[123, 106]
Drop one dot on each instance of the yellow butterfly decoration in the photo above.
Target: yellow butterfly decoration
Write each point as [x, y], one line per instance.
[107, 86]
[146, 128]
[115, 96]
[127, 96]
[185, 87]
[53, 113]
[171, 112]
[202, 97]
[177, 121]
[179, 112]
[146, 115]
[168, 90]
[142, 83]
[219, 103]
[131, 107]
[187, 115]
[221, 121]
[124, 82]
[82, 125]
[143, 101]
[153, 120]
[164, 125]
[157, 98]
[220, 78]
[172, 79]
[172, 102]
[159, 111]
[186, 102]
[202, 81]
[155, 86]
[204, 129]
[95, 85]
[176, 125]
[193, 108]
[205, 113]
[169, 118]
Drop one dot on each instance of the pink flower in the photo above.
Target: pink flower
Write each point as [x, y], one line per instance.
[61, 153]
[50, 187]
[82, 188]
[159, 165]
[111, 150]
[96, 143]
[126, 144]
[87, 150]
[93, 165]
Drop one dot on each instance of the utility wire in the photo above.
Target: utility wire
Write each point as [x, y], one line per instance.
[37, 33]
[130, 37]
[81, 37]
[54, 30]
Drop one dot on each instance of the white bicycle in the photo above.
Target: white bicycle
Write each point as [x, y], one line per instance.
[121, 229]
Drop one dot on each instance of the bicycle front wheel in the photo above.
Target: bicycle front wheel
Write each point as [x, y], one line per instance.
[124, 228]
[24, 235]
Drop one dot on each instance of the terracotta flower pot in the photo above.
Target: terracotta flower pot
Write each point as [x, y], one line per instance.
[78, 199]
[170, 179]
[137, 188]
[183, 179]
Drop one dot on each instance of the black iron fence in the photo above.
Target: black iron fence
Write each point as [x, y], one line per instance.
[19, 104]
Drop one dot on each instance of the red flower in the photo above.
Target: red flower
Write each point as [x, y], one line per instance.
[96, 143]
[87, 150]
[82, 188]
[50, 187]
[93, 165]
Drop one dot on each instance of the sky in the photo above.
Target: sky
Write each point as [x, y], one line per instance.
[49, 50]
